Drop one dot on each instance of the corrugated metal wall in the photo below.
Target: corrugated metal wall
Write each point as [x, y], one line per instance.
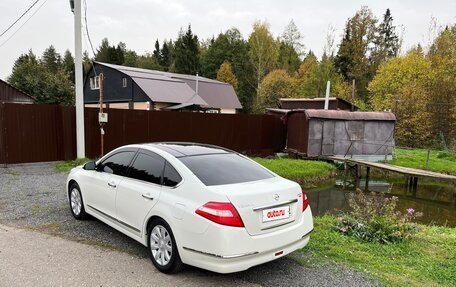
[336, 137]
[33, 133]
[248, 134]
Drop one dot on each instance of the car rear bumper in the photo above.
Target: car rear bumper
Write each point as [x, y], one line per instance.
[228, 249]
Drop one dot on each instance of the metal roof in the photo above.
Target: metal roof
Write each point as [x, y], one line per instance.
[277, 111]
[317, 100]
[179, 88]
[346, 115]
[306, 99]
[9, 93]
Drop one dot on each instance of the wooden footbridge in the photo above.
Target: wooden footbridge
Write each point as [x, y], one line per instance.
[411, 174]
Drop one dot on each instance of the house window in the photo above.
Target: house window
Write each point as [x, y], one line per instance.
[95, 83]
[124, 82]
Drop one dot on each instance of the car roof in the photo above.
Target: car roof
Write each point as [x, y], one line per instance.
[183, 149]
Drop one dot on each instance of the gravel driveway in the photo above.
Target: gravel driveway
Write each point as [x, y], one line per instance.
[32, 196]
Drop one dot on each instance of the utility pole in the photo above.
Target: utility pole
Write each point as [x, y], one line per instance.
[353, 96]
[80, 141]
[328, 84]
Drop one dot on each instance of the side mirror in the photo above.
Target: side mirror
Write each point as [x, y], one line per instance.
[90, 166]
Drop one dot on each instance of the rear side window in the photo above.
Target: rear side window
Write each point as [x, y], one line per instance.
[117, 163]
[171, 177]
[218, 169]
[147, 168]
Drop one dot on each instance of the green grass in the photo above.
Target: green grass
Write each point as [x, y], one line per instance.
[427, 259]
[439, 161]
[66, 166]
[306, 172]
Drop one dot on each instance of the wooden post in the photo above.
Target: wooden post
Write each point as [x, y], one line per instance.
[427, 159]
[415, 185]
[366, 188]
[357, 175]
[454, 197]
[345, 173]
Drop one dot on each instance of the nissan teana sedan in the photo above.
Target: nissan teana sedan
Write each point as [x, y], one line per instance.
[193, 204]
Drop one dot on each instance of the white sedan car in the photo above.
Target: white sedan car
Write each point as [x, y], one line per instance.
[193, 204]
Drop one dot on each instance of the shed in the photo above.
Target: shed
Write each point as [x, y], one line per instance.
[9, 94]
[361, 135]
[335, 103]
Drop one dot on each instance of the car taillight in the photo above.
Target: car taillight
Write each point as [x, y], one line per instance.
[305, 201]
[223, 213]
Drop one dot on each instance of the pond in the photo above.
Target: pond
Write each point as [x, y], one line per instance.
[437, 201]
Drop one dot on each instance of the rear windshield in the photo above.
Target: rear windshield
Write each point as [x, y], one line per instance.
[229, 168]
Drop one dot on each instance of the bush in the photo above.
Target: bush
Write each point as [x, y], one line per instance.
[373, 219]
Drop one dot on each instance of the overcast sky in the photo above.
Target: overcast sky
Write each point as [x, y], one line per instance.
[139, 23]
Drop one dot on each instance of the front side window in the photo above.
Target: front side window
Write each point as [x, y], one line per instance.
[95, 83]
[147, 168]
[228, 168]
[124, 82]
[171, 177]
[117, 163]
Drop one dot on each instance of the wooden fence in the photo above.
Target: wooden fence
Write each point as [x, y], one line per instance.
[35, 133]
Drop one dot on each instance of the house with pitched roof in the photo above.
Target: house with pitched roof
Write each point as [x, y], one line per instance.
[136, 88]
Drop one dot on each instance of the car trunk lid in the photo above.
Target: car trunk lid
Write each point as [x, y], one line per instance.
[265, 206]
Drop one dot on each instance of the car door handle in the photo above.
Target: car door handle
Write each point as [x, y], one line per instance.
[148, 196]
[113, 185]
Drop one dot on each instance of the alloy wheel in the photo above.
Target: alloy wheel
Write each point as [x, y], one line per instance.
[76, 201]
[161, 245]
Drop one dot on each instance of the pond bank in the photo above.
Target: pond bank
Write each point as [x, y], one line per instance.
[308, 173]
[427, 259]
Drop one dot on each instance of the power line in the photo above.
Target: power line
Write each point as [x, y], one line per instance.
[88, 36]
[38, 9]
[17, 20]
[87, 27]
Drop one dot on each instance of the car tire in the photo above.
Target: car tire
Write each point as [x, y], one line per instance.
[76, 202]
[162, 247]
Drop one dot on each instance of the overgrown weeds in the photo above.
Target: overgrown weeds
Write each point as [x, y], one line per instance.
[374, 218]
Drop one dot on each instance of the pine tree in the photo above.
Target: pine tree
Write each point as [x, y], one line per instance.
[111, 54]
[388, 36]
[386, 44]
[51, 59]
[187, 53]
[68, 64]
[103, 54]
[165, 56]
[344, 58]
[156, 51]
[353, 58]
